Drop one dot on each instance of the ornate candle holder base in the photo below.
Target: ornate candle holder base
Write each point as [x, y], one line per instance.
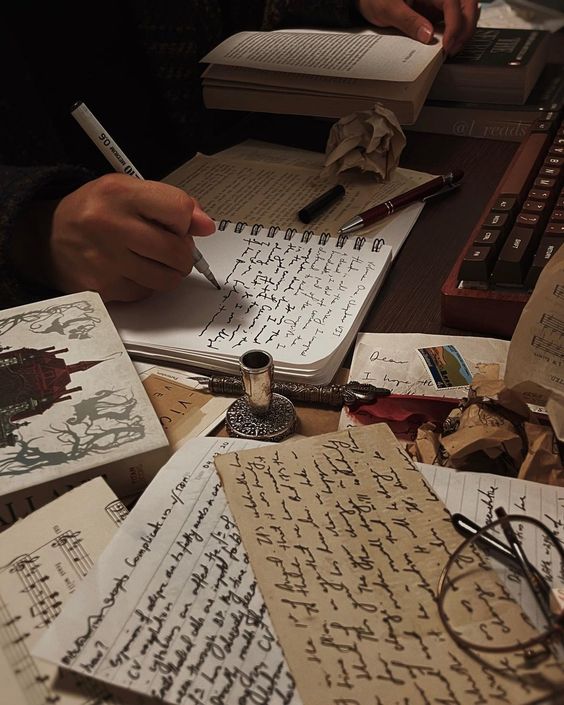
[241, 421]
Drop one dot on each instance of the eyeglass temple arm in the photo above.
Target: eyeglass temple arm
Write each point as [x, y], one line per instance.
[468, 528]
[518, 551]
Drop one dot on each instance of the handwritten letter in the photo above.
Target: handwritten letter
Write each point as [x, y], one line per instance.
[392, 361]
[172, 609]
[347, 543]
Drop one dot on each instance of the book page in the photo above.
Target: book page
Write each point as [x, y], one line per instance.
[172, 609]
[297, 297]
[368, 54]
[236, 185]
[347, 543]
[43, 560]
[294, 85]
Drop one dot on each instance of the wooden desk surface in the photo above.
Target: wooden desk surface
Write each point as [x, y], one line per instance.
[409, 301]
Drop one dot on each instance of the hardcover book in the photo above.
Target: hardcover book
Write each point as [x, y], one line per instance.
[321, 73]
[494, 66]
[493, 120]
[72, 406]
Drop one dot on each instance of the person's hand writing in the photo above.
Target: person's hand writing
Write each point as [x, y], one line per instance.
[459, 16]
[122, 237]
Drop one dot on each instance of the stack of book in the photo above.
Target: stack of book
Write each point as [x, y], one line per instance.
[495, 88]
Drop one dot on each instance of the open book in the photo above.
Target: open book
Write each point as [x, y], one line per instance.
[320, 72]
[296, 291]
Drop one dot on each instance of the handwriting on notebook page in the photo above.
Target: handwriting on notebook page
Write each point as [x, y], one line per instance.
[288, 294]
[173, 609]
[293, 295]
[347, 543]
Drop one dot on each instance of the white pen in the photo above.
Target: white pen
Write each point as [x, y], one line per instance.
[116, 157]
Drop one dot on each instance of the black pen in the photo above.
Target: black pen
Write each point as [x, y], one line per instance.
[321, 203]
[445, 182]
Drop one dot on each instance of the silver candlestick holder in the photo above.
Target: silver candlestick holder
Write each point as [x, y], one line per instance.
[260, 414]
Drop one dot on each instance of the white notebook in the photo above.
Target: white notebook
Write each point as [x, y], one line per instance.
[300, 296]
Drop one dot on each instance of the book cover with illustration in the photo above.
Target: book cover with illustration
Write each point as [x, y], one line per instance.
[71, 406]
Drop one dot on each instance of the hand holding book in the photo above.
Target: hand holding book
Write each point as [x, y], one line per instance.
[459, 16]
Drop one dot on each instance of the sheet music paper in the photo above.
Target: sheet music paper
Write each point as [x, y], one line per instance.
[43, 560]
[172, 609]
[347, 543]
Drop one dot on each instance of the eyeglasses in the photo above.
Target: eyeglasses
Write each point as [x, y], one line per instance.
[502, 590]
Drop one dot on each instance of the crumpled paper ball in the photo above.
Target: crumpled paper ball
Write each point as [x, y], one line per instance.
[367, 141]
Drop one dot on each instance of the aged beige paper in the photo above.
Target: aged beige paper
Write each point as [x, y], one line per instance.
[535, 362]
[184, 409]
[263, 183]
[347, 543]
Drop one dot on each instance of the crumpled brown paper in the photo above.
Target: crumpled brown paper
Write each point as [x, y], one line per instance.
[493, 431]
[366, 141]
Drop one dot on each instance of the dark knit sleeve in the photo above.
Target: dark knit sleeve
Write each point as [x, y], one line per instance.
[325, 13]
[20, 186]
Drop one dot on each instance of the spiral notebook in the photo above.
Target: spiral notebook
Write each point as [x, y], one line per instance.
[300, 296]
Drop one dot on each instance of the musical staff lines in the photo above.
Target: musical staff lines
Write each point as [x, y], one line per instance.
[71, 546]
[43, 558]
[13, 643]
[553, 323]
[546, 346]
[117, 511]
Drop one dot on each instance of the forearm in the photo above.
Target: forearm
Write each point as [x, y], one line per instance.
[24, 226]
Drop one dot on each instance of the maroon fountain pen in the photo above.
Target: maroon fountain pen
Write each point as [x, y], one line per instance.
[439, 184]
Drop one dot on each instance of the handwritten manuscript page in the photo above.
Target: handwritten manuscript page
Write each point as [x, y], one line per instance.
[347, 543]
[172, 609]
[391, 361]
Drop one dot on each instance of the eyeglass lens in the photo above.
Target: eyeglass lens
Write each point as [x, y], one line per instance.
[489, 600]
